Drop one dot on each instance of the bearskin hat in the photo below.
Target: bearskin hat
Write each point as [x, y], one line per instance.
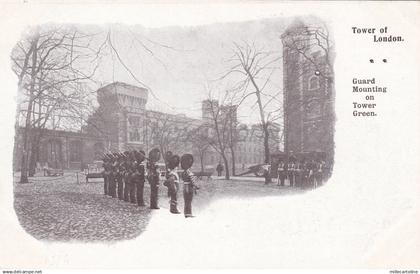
[187, 161]
[140, 156]
[173, 161]
[154, 155]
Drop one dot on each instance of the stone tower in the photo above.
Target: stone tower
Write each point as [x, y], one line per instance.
[308, 90]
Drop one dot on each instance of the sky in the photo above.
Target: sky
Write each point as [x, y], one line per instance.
[180, 65]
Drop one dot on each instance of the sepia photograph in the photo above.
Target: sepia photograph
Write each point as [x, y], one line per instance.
[116, 121]
[228, 135]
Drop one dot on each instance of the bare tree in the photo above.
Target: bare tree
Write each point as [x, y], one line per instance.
[255, 67]
[198, 138]
[168, 132]
[217, 125]
[50, 62]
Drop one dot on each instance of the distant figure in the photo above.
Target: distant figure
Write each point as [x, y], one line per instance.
[219, 169]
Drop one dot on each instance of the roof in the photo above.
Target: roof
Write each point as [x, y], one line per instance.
[125, 89]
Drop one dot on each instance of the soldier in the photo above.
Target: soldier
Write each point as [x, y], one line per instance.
[153, 177]
[114, 176]
[291, 171]
[131, 181]
[168, 156]
[127, 176]
[319, 172]
[106, 160]
[120, 176]
[138, 176]
[189, 183]
[281, 173]
[311, 167]
[172, 182]
[298, 174]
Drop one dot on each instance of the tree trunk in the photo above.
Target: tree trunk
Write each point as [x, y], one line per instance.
[33, 158]
[227, 174]
[232, 152]
[266, 152]
[27, 130]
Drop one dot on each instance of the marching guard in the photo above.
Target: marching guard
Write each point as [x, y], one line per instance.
[187, 161]
[153, 177]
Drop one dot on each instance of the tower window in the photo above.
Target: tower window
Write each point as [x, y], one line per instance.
[313, 82]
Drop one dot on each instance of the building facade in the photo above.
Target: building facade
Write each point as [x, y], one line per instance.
[121, 122]
[308, 90]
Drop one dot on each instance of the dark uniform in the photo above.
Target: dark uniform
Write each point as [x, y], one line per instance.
[311, 167]
[281, 173]
[172, 182]
[299, 170]
[318, 172]
[131, 182]
[113, 177]
[127, 176]
[106, 172]
[153, 177]
[189, 183]
[139, 177]
[291, 172]
[120, 176]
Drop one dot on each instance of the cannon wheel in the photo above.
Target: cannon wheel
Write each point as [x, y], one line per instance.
[260, 172]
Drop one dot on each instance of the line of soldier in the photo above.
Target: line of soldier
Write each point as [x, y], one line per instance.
[304, 173]
[125, 174]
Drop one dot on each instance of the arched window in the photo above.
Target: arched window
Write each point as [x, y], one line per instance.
[313, 109]
[313, 82]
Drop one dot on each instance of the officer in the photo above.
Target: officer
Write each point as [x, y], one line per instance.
[114, 176]
[281, 173]
[139, 176]
[172, 182]
[153, 177]
[189, 183]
